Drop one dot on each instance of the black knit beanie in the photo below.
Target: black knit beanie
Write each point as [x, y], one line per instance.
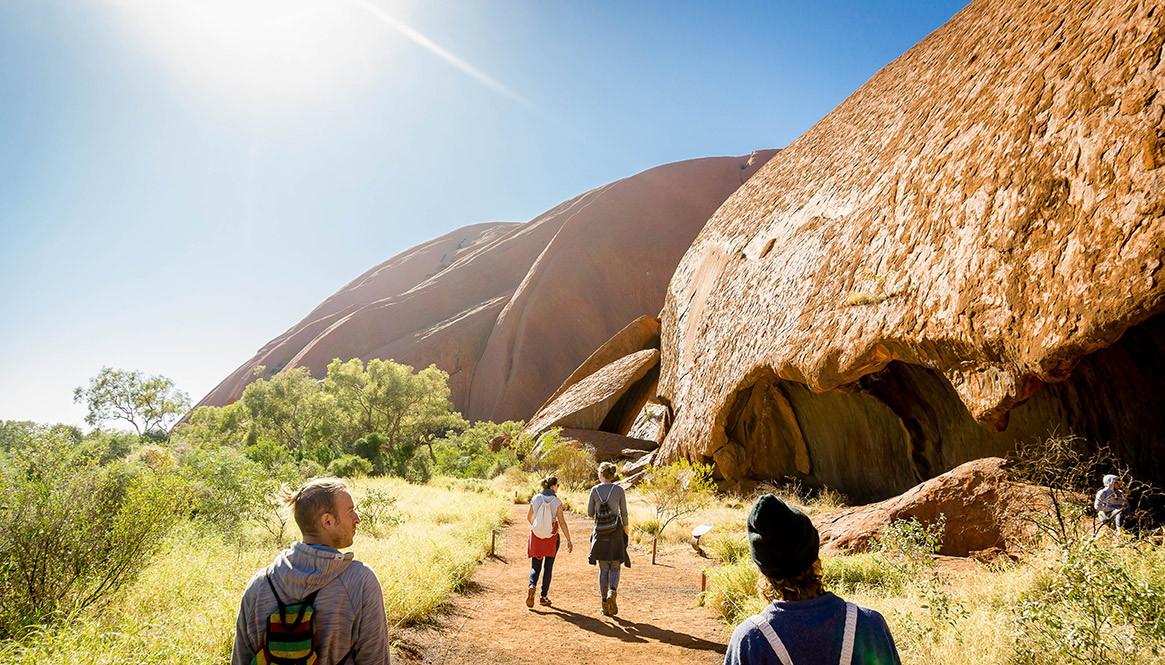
[783, 539]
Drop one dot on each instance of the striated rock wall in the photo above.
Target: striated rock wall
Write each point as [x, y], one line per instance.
[510, 310]
[941, 265]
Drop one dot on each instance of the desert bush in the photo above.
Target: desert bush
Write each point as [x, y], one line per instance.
[678, 489]
[1095, 604]
[467, 454]
[349, 466]
[378, 512]
[732, 591]
[231, 492]
[75, 531]
[548, 455]
[726, 546]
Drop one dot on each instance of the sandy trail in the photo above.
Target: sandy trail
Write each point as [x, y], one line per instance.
[488, 624]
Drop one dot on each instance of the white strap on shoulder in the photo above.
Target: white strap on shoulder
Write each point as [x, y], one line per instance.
[774, 641]
[847, 640]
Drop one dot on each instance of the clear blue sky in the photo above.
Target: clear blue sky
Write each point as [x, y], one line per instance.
[182, 180]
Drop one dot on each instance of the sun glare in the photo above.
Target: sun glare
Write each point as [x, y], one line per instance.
[262, 52]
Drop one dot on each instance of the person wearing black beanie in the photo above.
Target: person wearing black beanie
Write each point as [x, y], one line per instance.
[806, 625]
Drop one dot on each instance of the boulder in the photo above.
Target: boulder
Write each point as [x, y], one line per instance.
[607, 447]
[500, 441]
[639, 335]
[985, 512]
[509, 310]
[607, 400]
[964, 254]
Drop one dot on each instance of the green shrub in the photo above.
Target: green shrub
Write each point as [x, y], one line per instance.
[846, 573]
[229, 490]
[732, 591]
[377, 510]
[349, 466]
[1096, 604]
[75, 531]
[268, 453]
[726, 547]
[467, 455]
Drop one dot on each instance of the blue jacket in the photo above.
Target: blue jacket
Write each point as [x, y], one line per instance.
[812, 632]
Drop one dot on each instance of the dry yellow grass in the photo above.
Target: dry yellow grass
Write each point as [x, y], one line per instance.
[183, 608]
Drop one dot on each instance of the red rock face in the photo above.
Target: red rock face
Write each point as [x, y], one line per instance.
[965, 253]
[510, 310]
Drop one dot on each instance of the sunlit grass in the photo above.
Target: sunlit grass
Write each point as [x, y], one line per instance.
[183, 608]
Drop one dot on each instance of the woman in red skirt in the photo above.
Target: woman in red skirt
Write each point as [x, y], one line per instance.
[545, 518]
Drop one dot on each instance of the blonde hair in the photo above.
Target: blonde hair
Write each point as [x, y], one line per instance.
[608, 471]
[309, 503]
[802, 586]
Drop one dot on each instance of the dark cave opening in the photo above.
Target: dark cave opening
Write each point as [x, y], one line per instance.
[906, 424]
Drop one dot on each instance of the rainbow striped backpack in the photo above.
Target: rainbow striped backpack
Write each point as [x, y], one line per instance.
[291, 633]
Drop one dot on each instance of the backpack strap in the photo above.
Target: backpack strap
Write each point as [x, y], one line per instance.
[303, 605]
[847, 640]
[774, 641]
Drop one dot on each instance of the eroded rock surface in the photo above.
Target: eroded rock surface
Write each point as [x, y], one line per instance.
[510, 310]
[607, 400]
[607, 447]
[943, 264]
[982, 509]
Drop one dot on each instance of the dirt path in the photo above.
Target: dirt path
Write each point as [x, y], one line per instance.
[489, 624]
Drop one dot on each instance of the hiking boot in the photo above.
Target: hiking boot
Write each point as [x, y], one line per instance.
[612, 608]
[530, 597]
[543, 601]
[606, 608]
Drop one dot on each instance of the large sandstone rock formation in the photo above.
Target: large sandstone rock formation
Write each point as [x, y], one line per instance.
[509, 310]
[982, 508]
[965, 252]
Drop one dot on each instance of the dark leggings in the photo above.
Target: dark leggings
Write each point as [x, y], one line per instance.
[536, 569]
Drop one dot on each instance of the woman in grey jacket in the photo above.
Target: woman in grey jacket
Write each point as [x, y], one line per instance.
[608, 505]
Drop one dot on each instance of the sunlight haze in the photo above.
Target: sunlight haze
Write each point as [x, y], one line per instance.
[183, 180]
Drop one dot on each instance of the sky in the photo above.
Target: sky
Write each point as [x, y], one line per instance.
[183, 180]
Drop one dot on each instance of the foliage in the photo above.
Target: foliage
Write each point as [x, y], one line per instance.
[349, 466]
[230, 491]
[1069, 470]
[732, 591]
[388, 398]
[214, 426]
[549, 455]
[1095, 604]
[467, 454]
[678, 489]
[377, 509]
[75, 530]
[182, 609]
[145, 402]
[289, 408]
[726, 547]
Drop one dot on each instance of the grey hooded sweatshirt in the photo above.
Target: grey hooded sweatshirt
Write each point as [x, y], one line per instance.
[349, 608]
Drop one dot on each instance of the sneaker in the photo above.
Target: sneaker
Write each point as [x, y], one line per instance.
[612, 608]
[530, 597]
[543, 601]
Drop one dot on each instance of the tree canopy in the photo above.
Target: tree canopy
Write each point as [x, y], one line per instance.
[147, 403]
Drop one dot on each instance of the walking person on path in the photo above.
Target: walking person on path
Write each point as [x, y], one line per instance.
[806, 625]
[545, 517]
[608, 505]
[313, 594]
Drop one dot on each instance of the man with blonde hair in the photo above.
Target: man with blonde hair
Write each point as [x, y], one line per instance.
[346, 603]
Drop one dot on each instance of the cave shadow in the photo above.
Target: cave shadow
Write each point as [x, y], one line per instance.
[631, 631]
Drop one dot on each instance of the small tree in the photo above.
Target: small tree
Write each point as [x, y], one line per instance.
[678, 489]
[145, 402]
